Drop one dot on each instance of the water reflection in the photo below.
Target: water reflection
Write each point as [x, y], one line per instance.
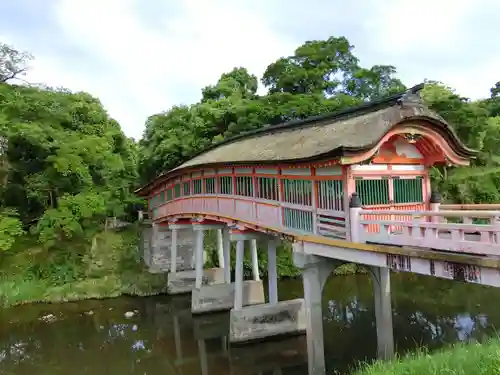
[95, 337]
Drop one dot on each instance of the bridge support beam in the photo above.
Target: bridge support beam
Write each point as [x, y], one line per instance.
[383, 312]
[185, 281]
[250, 323]
[315, 272]
[223, 296]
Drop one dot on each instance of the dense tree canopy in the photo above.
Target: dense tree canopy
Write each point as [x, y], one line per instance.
[322, 76]
[65, 165]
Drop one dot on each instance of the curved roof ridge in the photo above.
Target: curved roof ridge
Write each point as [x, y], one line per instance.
[409, 95]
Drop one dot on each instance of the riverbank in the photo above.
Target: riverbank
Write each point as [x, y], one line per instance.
[108, 266]
[461, 359]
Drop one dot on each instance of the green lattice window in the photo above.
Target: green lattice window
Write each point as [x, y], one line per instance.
[226, 185]
[297, 191]
[177, 190]
[373, 191]
[187, 188]
[197, 187]
[408, 190]
[267, 188]
[210, 185]
[244, 186]
[162, 196]
[331, 195]
[298, 219]
[169, 194]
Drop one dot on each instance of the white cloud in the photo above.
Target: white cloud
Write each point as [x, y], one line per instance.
[431, 39]
[148, 64]
[138, 69]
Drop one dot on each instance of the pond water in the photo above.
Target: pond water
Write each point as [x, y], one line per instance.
[99, 337]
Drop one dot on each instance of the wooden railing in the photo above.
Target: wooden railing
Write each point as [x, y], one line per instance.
[473, 229]
[261, 212]
[465, 231]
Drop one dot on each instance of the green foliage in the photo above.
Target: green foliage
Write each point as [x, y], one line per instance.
[10, 228]
[66, 167]
[106, 266]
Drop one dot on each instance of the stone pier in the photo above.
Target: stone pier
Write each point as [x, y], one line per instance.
[183, 276]
[250, 323]
[218, 297]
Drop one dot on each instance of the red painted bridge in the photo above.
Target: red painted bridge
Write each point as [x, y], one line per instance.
[352, 186]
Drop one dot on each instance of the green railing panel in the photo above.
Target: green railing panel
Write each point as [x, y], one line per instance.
[187, 188]
[226, 185]
[297, 191]
[210, 185]
[331, 195]
[298, 219]
[267, 188]
[373, 191]
[244, 186]
[177, 190]
[197, 187]
[408, 190]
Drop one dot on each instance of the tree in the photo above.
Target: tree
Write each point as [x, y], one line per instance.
[238, 83]
[13, 63]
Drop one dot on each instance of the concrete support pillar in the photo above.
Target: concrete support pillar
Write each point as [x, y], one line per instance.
[199, 261]
[315, 272]
[238, 278]
[383, 311]
[226, 249]
[177, 338]
[255, 260]
[153, 244]
[173, 252]
[220, 248]
[272, 272]
[202, 352]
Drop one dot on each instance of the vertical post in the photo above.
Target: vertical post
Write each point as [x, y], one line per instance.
[314, 202]
[383, 312]
[153, 243]
[226, 246]
[354, 217]
[315, 272]
[220, 249]
[202, 352]
[434, 203]
[272, 273]
[173, 252]
[177, 338]
[255, 260]
[199, 257]
[238, 279]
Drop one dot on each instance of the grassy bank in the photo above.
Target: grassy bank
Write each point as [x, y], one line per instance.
[107, 266]
[462, 359]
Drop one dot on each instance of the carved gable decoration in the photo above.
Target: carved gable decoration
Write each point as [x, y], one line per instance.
[398, 151]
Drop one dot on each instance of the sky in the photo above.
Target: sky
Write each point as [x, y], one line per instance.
[141, 57]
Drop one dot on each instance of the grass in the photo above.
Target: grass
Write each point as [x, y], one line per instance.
[107, 267]
[461, 359]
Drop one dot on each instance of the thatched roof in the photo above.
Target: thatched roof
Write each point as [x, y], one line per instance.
[353, 130]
